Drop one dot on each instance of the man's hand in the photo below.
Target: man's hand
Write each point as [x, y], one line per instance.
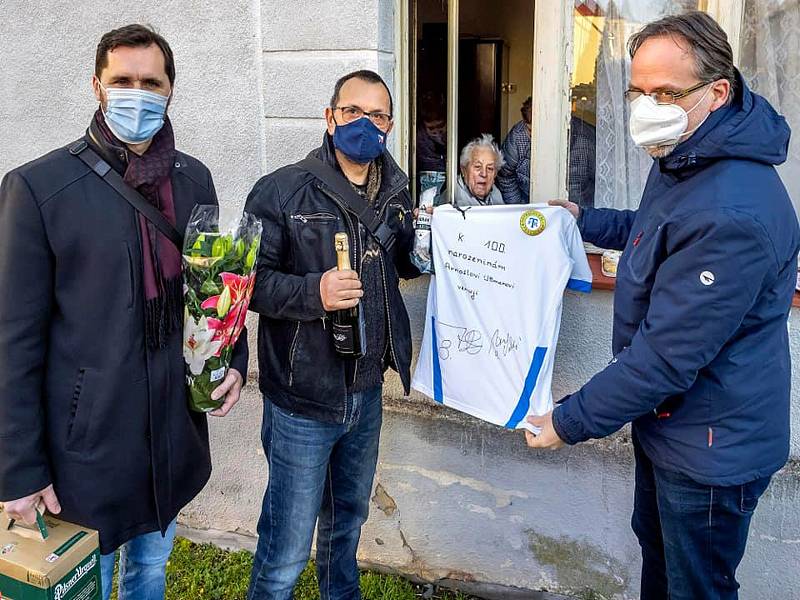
[25, 508]
[231, 389]
[340, 289]
[547, 438]
[573, 208]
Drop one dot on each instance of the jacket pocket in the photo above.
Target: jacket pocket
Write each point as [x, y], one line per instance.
[80, 412]
[316, 371]
[311, 236]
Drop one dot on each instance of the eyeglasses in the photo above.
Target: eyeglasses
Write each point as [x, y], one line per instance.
[664, 97]
[351, 113]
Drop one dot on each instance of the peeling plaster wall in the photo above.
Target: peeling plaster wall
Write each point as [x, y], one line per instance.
[455, 498]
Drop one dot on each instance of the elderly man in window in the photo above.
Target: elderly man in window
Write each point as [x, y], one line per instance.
[480, 161]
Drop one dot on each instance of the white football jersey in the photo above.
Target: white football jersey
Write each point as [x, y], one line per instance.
[494, 308]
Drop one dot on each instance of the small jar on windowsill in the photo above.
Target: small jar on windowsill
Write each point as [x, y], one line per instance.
[609, 261]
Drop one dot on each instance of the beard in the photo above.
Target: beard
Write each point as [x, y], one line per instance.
[660, 151]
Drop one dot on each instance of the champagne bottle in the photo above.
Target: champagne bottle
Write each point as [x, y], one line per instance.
[349, 338]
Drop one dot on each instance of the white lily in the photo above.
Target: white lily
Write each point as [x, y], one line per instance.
[198, 345]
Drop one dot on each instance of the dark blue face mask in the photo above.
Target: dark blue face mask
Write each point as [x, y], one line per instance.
[361, 141]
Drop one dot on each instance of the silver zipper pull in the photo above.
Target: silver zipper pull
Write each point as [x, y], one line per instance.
[299, 218]
[324, 319]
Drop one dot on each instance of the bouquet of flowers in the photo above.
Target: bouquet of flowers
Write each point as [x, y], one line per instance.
[218, 274]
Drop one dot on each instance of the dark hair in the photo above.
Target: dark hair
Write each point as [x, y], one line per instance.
[526, 108]
[133, 36]
[363, 75]
[708, 43]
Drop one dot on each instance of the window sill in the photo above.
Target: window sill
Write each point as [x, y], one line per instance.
[601, 282]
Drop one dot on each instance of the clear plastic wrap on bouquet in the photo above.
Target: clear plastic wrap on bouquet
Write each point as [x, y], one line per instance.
[430, 185]
[219, 270]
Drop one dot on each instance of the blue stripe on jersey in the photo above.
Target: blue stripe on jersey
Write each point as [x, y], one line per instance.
[437, 368]
[579, 285]
[527, 391]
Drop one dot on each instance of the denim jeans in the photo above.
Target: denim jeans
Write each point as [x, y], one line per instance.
[142, 566]
[320, 470]
[692, 535]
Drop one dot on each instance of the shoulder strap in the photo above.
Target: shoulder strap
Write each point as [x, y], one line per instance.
[82, 150]
[351, 199]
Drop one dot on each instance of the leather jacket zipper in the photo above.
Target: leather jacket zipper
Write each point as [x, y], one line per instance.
[320, 216]
[355, 254]
[358, 261]
[355, 258]
[291, 353]
[388, 313]
[392, 195]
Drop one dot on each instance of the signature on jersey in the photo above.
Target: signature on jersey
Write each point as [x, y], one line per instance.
[454, 339]
[503, 344]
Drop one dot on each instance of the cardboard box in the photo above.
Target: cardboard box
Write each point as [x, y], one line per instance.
[65, 566]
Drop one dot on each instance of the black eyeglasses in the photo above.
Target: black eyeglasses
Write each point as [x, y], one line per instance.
[665, 97]
[351, 113]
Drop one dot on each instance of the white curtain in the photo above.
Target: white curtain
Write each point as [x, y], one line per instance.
[622, 168]
[770, 63]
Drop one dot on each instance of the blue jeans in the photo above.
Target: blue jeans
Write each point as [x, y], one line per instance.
[142, 566]
[320, 470]
[693, 536]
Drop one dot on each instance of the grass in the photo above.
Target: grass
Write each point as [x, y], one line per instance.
[203, 571]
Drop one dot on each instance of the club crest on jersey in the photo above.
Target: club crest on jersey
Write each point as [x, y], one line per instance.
[532, 222]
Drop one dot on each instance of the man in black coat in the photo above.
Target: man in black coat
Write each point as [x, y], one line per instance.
[94, 416]
[322, 412]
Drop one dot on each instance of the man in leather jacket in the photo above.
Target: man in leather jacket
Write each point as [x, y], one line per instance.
[322, 412]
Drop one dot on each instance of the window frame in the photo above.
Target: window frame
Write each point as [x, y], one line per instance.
[451, 171]
[552, 75]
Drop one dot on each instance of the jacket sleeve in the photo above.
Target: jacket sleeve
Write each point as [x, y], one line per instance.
[507, 176]
[717, 265]
[240, 357]
[606, 227]
[26, 281]
[277, 294]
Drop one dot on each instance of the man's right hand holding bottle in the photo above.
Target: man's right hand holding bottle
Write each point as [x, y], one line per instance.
[340, 289]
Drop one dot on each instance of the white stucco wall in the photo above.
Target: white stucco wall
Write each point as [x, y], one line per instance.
[459, 499]
[47, 63]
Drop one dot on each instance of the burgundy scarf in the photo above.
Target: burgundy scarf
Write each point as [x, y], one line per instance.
[149, 174]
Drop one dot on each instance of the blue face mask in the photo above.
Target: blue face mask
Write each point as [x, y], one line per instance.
[361, 141]
[134, 115]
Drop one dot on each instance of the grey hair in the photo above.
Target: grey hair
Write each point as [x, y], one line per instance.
[485, 140]
[708, 43]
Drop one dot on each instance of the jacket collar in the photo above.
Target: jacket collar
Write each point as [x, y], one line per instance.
[116, 156]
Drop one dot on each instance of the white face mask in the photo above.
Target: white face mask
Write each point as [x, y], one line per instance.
[652, 124]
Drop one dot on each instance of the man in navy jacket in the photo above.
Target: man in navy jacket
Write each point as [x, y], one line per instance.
[701, 361]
